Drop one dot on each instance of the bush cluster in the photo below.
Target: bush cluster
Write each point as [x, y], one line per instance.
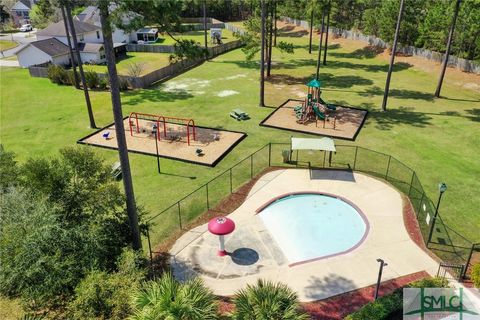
[475, 275]
[387, 306]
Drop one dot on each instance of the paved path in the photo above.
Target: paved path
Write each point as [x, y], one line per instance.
[22, 38]
[255, 255]
[9, 63]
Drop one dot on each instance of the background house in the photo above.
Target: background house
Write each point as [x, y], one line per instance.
[86, 32]
[20, 12]
[91, 15]
[42, 51]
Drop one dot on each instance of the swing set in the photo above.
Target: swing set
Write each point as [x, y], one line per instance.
[164, 120]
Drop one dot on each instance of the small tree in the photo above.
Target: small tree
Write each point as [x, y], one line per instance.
[136, 69]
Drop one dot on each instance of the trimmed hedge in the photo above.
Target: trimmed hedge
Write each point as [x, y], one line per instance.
[389, 305]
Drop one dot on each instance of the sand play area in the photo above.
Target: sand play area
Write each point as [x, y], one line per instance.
[343, 123]
[214, 144]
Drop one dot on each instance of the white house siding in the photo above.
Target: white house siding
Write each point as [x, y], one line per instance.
[31, 55]
[61, 60]
[90, 37]
[91, 57]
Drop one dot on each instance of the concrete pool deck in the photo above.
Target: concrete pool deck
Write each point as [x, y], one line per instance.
[254, 254]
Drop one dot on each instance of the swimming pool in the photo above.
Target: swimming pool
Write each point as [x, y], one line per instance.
[310, 226]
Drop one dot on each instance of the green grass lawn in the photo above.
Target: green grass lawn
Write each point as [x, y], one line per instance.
[439, 138]
[150, 62]
[197, 36]
[6, 44]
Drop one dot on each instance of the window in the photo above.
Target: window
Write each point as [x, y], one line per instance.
[19, 13]
[98, 34]
[102, 56]
[81, 38]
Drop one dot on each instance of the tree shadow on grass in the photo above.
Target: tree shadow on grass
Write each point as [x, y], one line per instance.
[156, 94]
[395, 117]
[327, 78]
[398, 93]
[474, 114]
[399, 66]
[367, 52]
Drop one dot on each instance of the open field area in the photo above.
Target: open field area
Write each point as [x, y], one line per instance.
[197, 36]
[5, 45]
[439, 138]
[149, 62]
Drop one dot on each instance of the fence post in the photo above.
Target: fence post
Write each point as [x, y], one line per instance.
[179, 216]
[388, 167]
[269, 154]
[208, 202]
[420, 204]
[411, 183]
[251, 166]
[355, 159]
[149, 246]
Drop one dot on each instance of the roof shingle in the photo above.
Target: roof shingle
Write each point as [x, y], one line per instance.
[58, 29]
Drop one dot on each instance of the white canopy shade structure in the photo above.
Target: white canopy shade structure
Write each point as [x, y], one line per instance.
[322, 144]
[318, 144]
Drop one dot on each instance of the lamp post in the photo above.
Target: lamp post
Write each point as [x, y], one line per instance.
[380, 270]
[442, 187]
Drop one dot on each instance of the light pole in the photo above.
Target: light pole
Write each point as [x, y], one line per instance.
[380, 270]
[442, 187]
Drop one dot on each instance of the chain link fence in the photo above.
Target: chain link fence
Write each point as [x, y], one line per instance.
[448, 244]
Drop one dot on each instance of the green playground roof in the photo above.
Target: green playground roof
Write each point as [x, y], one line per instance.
[314, 83]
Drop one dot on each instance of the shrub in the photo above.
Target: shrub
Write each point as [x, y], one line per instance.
[476, 275]
[169, 299]
[267, 300]
[380, 309]
[70, 77]
[92, 79]
[391, 304]
[135, 69]
[107, 295]
[102, 84]
[57, 74]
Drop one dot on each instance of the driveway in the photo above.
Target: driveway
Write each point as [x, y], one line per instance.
[9, 63]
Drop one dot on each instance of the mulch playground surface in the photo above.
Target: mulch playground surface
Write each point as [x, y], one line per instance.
[215, 144]
[348, 121]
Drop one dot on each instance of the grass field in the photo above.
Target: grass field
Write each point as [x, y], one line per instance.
[197, 36]
[6, 44]
[439, 138]
[150, 62]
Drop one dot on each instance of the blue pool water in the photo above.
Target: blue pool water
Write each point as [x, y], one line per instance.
[311, 226]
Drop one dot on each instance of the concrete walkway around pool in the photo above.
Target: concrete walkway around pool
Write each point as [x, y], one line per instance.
[255, 255]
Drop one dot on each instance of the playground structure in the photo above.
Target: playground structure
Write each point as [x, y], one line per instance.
[314, 108]
[154, 130]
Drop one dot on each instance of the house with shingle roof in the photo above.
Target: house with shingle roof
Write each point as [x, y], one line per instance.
[86, 32]
[42, 51]
[20, 12]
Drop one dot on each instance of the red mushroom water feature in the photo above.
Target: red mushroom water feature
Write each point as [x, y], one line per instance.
[221, 226]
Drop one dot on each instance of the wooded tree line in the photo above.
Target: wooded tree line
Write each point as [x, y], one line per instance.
[425, 23]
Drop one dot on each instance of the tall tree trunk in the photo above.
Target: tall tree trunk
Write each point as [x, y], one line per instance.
[449, 46]
[392, 58]
[311, 33]
[68, 11]
[262, 58]
[205, 27]
[320, 44]
[275, 21]
[72, 57]
[119, 127]
[326, 35]
[270, 42]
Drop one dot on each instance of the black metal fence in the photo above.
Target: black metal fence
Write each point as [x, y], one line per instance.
[448, 244]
